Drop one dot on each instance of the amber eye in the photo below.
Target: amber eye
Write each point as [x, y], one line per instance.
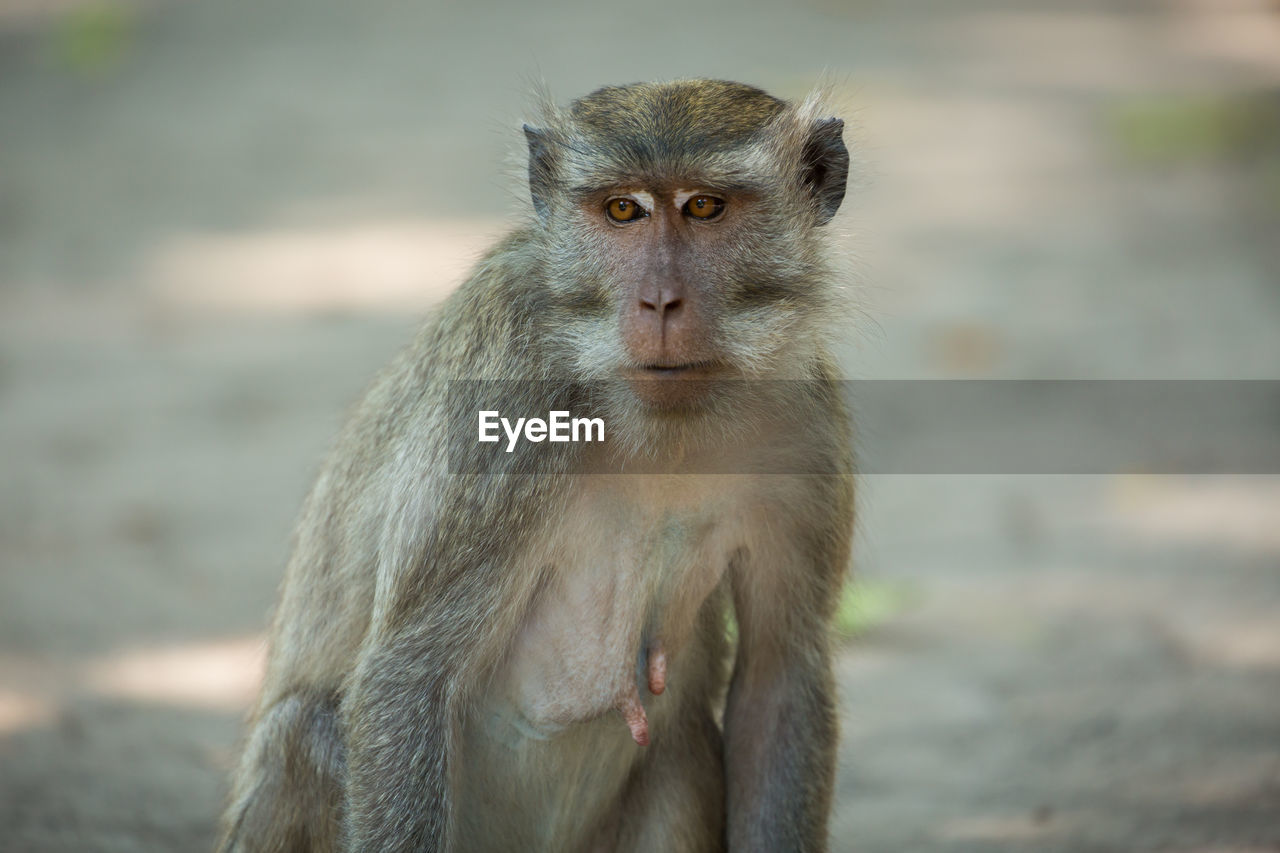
[704, 207]
[623, 210]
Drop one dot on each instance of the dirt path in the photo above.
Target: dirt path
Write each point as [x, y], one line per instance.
[218, 220]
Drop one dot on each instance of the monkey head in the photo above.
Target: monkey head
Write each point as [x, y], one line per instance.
[681, 244]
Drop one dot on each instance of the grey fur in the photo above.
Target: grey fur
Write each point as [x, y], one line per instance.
[402, 601]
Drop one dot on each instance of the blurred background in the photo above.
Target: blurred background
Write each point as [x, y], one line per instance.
[218, 220]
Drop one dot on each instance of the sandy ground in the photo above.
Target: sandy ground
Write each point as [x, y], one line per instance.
[218, 220]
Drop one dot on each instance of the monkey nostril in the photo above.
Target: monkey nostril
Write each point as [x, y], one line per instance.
[661, 303]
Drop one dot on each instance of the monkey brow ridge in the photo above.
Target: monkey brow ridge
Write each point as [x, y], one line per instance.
[736, 186]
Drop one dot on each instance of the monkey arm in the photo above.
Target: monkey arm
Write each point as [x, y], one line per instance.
[403, 716]
[403, 719]
[780, 723]
[435, 633]
[398, 779]
[780, 735]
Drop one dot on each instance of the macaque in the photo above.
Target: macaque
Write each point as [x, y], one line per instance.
[613, 645]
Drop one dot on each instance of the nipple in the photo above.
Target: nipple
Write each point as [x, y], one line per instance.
[657, 669]
[633, 712]
[654, 661]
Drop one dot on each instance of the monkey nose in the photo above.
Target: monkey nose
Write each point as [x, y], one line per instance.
[663, 302]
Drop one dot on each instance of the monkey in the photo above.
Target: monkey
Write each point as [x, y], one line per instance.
[621, 645]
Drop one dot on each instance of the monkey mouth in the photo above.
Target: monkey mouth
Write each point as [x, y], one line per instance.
[675, 386]
[686, 369]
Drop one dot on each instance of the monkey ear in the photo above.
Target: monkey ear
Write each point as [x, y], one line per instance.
[541, 169]
[826, 166]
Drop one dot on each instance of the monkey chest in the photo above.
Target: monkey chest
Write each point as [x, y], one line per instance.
[628, 569]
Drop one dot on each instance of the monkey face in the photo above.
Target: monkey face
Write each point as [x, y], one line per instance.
[681, 222]
[663, 240]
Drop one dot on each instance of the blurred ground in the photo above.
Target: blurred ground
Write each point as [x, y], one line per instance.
[217, 220]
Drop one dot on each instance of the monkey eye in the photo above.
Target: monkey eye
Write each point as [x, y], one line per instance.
[624, 210]
[704, 207]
